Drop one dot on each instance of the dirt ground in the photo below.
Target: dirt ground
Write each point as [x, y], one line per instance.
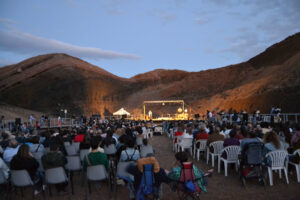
[219, 186]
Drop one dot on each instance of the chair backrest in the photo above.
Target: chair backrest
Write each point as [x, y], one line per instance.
[158, 129]
[297, 152]
[37, 155]
[74, 163]
[67, 144]
[20, 178]
[139, 141]
[56, 175]
[201, 144]
[232, 152]
[217, 146]
[252, 153]
[278, 157]
[83, 153]
[76, 145]
[96, 173]
[146, 150]
[70, 150]
[3, 180]
[110, 149]
[186, 142]
[147, 183]
[122, 170]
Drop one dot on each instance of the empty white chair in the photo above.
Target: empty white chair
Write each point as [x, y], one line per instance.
[201, 148]
[139, 141]
[186, 143]
[232, 153]
[72, 165]
[149, 133]
[158, 129]
[217, 148]
[278, 160]
[296, 165]
[83, 153]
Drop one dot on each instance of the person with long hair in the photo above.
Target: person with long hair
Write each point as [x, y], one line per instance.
[24, 160]
[272, 142]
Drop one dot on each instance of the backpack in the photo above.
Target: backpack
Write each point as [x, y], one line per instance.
[147, 185]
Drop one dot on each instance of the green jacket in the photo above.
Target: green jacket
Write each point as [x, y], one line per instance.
[95, 158]
[53, 159]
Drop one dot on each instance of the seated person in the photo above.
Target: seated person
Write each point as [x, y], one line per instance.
[231, 141]
[130, 153]
[202, 134]
[146, 148]
[160, 175]
[24, 160]
[11, 150]
[4, 168]
[86, 143]
[36, 146]
[175, 173]
[95, 157]
[272, 142]
[214, 136]
[253, 138]
[54, 159]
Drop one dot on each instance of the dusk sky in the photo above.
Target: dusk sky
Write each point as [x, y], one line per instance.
[127, 37]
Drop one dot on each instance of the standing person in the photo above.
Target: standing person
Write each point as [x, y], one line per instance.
[55, 159]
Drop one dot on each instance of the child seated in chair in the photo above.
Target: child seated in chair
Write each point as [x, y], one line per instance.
[196, 175]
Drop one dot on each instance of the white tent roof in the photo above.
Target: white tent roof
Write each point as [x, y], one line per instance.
[122, 111]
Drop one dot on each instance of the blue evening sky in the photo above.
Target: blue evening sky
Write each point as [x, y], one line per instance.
[127, 37]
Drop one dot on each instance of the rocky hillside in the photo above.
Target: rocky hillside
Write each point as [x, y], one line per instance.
[57, 81]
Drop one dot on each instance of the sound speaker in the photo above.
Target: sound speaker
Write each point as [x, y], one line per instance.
[18, 121]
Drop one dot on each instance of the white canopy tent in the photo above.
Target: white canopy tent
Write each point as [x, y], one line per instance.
[121, 112]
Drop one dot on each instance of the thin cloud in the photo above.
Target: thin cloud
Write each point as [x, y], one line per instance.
[25, 43]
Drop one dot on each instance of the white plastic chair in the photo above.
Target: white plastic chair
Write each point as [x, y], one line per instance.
[37, 155]
[186, 143]
[67, 144]
[217, 148]
[95, 173]
[296, 165]
[278, 162]
[158, 129]
[232, 153]
[83, 153]
[110, 149]
[149, 133]
[146, 150]
[76, 145]
[71, 151]
[176, 140]
[54, 176]
[202, 148]
[21, 178]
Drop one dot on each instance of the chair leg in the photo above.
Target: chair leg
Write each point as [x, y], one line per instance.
[207, 157]
[225, 168]
[33, 193]
[280, 174]
[198, 155]
[213, 160]
[270, 176]
[298, 173]
[286, 175]
[219, 164]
